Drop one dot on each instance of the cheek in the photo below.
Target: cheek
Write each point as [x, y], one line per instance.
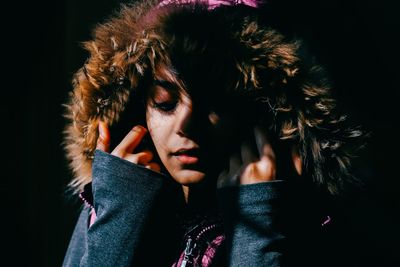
[159, 127]
[153, 125]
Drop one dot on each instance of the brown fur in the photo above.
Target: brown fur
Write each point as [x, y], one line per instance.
[261, 63]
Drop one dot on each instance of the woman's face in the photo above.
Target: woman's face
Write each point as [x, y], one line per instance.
[184, 134]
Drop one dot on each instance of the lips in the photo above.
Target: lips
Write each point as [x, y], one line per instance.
[187, 155]
[187, 151]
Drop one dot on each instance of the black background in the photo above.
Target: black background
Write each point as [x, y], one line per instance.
[357, 41]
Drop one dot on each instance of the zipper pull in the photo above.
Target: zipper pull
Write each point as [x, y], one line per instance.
[190, 245]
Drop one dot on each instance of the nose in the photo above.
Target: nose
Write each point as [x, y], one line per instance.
[194, 118]
[185, 120]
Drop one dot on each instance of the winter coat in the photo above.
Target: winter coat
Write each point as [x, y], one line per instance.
[228, 47]
[137, 223]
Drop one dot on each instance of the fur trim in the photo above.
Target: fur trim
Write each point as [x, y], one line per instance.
[258, 62]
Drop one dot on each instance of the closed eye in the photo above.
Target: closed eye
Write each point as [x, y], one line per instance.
[165, 106]
[164, 97]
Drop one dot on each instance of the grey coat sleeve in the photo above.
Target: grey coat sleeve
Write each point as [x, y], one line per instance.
[77, 244]
[252, 221]
[123, 195]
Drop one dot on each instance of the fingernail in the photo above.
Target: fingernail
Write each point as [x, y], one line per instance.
[139, 128]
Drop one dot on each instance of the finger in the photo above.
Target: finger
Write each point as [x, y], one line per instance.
[223, 179]
[145, 156]
[248, 152]
[153, 166]
[235, 163]
[261, 139]
[140, 158]
[266, 168]
[249, 175]
[130, 141]
[230, 176]
[260, 171]
[263, 145]
[297, 160]
[103, 141]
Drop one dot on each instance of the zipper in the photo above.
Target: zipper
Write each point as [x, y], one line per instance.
[87, 196]
[191, 244]
[86, 201]
[205, 230]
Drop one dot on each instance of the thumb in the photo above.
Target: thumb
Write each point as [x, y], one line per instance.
[297, 160]
[103, 142]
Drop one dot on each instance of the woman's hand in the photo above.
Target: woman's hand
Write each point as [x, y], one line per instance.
[255, 162]
[126, 149]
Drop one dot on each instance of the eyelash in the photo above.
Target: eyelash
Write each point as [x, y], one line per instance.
[166, 107]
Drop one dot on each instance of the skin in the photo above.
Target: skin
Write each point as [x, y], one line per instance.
[174, 123]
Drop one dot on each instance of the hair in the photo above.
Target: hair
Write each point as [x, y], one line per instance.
[229, 50]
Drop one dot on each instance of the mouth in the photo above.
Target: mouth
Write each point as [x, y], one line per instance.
[187, 155]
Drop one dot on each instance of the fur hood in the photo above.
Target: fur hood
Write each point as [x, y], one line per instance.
[257, 61]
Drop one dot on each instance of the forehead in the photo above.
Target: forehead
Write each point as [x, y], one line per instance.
[167, 75]
[190, 82]
[167, 82]
[167, 78]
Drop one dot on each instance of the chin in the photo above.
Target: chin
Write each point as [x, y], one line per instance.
[188, 177]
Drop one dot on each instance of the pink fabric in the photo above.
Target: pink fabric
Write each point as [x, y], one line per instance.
[92, 217]
[211, 250]
[208, 256]
[214, 3]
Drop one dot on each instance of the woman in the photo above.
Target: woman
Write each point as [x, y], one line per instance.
[179, 97]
